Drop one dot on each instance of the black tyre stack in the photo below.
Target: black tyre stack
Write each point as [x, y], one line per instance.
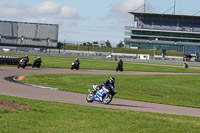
[7, 60]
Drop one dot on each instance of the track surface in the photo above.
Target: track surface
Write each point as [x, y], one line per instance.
[23, 91]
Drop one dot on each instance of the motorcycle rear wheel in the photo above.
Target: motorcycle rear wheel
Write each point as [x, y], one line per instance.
[89, 98]
[107, 98]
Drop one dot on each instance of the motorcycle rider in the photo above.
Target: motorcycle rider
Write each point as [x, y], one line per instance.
[77, 61]
[75, 64]
[39, 60]
[22, 61]
[120, 64]
[185, 65]
[110, 83]
[26, 58]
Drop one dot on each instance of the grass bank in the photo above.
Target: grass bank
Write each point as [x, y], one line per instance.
[51, 117]
[94, 64]
[122, 50]
[166, 89]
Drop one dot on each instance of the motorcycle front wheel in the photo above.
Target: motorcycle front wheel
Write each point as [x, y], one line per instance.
[107, 98]
[89, 98]
[77, 67]
[18, 65]
[117, 69]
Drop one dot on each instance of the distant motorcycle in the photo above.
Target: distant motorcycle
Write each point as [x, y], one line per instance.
[75, 65]
[185, 65]
[119, 68]
[104, 95]
[22, 63]
[36, 64]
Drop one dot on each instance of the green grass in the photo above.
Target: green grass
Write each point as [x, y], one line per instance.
[122, 50]
[51, 117]
[166, 89]
[94, 64]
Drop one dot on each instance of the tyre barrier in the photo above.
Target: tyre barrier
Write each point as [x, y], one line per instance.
[7, 60]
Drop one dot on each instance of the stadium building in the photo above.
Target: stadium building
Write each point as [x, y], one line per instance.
[164, 31]
[24, 34]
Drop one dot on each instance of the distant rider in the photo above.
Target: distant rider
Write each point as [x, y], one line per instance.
[26, 58]
[77, 61]
[39, 60]
[185, 65]
[120, 63]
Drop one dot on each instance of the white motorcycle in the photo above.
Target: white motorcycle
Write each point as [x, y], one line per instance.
[75, 66]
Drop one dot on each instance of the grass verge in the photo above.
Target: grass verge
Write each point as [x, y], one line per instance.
[65, 62]
[166, 89]
[122, 50]
[51, 117]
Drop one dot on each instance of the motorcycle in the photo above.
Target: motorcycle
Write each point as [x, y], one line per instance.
[104, 94]
[185, 65]
[22, 63]
[75, 65]
[119, 68]
[36, 64]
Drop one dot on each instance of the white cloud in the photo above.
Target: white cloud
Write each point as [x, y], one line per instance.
[47, 9]
[12, 12]
[56, 10]
[120, 10]
[68, 12]
[5, 4]
[130, 5]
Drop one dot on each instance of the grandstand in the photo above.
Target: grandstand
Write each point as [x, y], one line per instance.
[164, 31]
[24, 34]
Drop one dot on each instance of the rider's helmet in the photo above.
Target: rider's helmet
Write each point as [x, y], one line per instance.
[77, 59]
[38, 57]
[112, 80]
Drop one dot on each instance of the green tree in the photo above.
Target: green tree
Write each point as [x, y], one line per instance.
[95, 42]
[120, 45]
[108, 44]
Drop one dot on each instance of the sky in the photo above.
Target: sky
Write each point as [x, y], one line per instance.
[89, 20]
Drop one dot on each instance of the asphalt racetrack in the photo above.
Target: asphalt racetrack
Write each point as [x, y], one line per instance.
[20, 90]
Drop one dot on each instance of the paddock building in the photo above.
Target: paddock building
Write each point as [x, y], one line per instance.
[25, 34]
[164, 31]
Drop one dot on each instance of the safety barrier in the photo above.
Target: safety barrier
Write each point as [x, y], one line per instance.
[7, 60]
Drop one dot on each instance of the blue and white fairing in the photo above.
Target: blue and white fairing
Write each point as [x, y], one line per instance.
[100, 93]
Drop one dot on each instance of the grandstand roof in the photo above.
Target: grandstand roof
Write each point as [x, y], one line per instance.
[138, 14]
[27, 22]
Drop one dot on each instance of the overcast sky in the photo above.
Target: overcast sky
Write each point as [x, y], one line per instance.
[89, 20]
